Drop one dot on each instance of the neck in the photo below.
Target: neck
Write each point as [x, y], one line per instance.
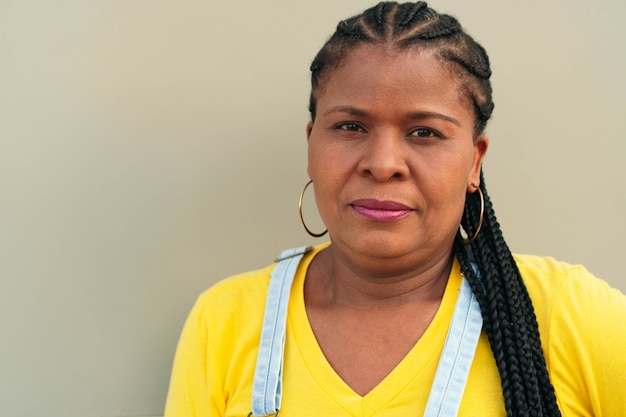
[334, 281]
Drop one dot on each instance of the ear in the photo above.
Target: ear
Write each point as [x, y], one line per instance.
[309, 128]
[480, 149]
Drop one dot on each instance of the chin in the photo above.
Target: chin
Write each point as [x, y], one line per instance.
[388, 247]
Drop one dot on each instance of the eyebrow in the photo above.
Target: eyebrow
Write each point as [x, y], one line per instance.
[353, 111]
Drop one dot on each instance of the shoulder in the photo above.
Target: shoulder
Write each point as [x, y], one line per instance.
[577, 312]
[237, 298]
[250, 288]
[560, 289]
[237, 304]
[550, 281]
[582, 325]
[539, 269]
[245, 286]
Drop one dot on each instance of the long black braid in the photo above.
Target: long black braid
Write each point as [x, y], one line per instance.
[508, 313]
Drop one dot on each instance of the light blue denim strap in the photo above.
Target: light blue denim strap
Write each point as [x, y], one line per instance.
[456, 359]
[267, 388]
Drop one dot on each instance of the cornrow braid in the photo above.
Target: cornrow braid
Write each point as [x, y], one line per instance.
[441, 28]
[379, 17]
[508, 314]
[411, 14]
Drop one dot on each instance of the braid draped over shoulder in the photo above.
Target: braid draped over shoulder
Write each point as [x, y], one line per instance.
[508, 313]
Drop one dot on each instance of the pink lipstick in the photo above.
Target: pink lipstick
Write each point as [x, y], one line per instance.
[383, 211]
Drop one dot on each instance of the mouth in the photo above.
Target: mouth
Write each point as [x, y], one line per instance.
[383, 211]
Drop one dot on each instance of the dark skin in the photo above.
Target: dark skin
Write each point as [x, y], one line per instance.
[364, 337]
[398, 131]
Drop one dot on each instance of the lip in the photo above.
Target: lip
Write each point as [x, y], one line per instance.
[384, 211]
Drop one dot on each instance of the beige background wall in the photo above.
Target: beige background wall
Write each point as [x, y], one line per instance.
[151, 147]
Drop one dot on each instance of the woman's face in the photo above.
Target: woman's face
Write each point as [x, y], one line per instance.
[392, 154]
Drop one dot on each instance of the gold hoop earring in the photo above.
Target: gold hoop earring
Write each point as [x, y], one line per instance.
[302, 217]
[468, 242]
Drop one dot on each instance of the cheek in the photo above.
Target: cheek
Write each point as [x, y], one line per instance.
[448, 166]
[328, 160]
[447, 179]
[313, 157]
[316, 162]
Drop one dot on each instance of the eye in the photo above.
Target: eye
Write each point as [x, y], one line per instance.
[424, 132]
[349, 127]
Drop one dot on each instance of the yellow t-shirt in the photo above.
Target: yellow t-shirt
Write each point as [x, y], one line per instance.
[581, 320]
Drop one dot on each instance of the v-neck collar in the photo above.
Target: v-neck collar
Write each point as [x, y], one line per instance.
[424, 353]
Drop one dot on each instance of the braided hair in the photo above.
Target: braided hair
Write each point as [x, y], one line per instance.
[508, 314]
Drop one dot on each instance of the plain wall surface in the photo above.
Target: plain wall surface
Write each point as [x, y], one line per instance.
[149, 148]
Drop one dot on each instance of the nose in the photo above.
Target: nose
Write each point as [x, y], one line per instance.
[385, 158]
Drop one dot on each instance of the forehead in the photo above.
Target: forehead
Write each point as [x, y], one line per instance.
[376, 75]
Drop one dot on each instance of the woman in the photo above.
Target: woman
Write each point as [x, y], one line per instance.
[399, 102]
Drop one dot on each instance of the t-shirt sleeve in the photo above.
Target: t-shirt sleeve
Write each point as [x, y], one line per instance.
[587, 346]
[194, 390]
